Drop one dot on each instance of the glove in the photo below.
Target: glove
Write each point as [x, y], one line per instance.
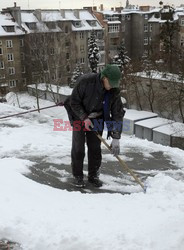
[88, 124]
[115, 146]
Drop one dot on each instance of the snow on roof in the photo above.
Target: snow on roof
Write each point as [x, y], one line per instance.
[175, 128]
[86, 15]
[109, 12]
[51, 16]
[154, 122]
[114, 22]
[69, 14]
[7, 20]
[64, 90]
[136, 115]
[160, 76]
[28, 17]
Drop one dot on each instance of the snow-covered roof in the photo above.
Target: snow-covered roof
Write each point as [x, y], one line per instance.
[7, 20]
[136, 115]
[86, 15]
[28, 17]
[160, 76]
[114, 22]
[64, 90]
[154, 122]
[175, 128]
[82, 16]
[51, 16]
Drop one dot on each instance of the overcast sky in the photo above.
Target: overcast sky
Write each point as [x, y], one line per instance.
[71, 4]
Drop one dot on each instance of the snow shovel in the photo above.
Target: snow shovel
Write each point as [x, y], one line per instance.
[122, 163]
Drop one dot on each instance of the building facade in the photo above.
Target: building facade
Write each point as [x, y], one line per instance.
[46, 46]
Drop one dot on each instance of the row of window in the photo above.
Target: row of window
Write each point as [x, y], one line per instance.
[113, 28]
[9, 43]
[11, 70]
[148, 28]
[10, 56]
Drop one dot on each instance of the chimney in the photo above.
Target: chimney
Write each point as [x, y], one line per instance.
[15, 4]
[112, 8]
[38, 15]
[101, 7]
[62, 11]
[76, 13]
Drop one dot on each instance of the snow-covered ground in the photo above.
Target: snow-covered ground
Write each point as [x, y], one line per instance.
[40, 217]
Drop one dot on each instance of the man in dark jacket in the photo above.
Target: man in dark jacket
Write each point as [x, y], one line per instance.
[95, 99]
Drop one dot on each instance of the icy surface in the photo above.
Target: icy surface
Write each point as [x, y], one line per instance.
[40, 217]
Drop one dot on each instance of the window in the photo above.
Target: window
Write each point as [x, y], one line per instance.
[22, 55]
[182, 41]
[150, 27]
[9, 28]
[127, 17]
[23, 69]
[146, 16]
[53, 76]
[1, 43]
[12, 83]
[82, 48]
[82, 60]
[1, 51]
[24, 81]
[2, 77]
[52, 51]
[67, 43]
[1, 65]
[66, 29]
[81, 35]
[92, 23]
[31, 26]
[145, 40]
[21, 43]
[9, 44]
[67, 56]
[77, 24]
[10, 57]
[51, 25]
[11, 70]
[182, 22]
[113, 28]
[68, 68]
[145, 28]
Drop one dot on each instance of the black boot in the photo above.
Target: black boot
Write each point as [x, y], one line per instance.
[78, 182]
[95, 181]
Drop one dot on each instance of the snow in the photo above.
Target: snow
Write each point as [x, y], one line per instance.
[172, 128]
[154, 122]
[6, 20]
[135, 115]
[85, 15]
[160, 76]
[51, 16]
[28, 17]
[41, 217]
[64, 90]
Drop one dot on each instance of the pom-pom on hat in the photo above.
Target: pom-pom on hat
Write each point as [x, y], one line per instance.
[113, 74]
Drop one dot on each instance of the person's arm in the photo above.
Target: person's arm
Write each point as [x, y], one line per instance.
[117, 114]
[76, 100]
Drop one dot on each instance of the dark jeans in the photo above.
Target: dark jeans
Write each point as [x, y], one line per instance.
[78, 152]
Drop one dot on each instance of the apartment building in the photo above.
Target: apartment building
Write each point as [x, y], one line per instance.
[139, 28]
[52, 43]
[11, 47]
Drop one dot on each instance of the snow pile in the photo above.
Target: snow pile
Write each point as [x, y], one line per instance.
[40, 217]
